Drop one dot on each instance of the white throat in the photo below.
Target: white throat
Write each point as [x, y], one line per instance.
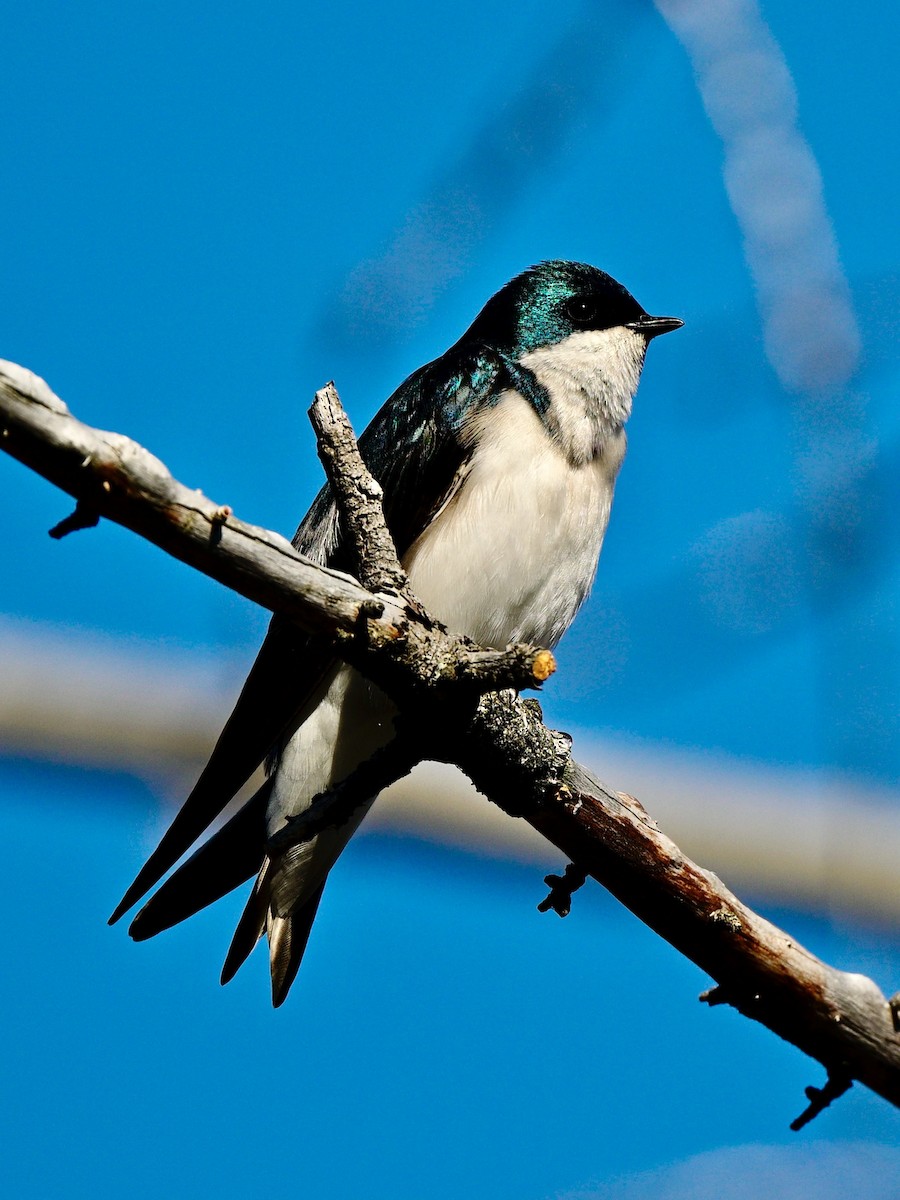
[591, 378]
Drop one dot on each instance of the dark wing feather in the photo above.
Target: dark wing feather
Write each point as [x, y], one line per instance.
[289, 667]
[228, 859]
[415, 447]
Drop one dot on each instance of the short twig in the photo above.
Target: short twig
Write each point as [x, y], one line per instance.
[561, 889]
[495, 668]
[358, 496]
[218, 518]
[713, 996]
[85, 516]
[820, 1098]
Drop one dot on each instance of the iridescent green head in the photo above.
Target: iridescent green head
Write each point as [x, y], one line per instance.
[554, 299]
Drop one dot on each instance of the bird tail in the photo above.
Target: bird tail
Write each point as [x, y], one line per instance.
[288, 932]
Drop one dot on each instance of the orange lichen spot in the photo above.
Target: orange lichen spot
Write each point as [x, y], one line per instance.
[543, 666]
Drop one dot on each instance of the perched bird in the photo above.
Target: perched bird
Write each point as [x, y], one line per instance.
[498, 462]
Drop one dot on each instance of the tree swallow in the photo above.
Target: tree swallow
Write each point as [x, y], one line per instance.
[498, 462]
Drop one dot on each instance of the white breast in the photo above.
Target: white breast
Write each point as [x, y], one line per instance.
[513, 555]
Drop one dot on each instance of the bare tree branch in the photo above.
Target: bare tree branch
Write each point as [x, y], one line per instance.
[112, 476]
[358, 496]
[443, 688]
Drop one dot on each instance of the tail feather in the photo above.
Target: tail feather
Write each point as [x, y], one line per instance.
[288, 934]
[288, 937]
[251, 926]
[228, 859]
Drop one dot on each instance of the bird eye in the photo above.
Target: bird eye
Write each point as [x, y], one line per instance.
[581, 310]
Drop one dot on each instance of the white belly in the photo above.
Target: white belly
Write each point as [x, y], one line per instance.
[350, 719]
[513, 555]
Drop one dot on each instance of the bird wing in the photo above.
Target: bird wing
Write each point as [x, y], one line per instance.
[416, 448]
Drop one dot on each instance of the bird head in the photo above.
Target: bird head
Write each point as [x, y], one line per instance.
[548, 303]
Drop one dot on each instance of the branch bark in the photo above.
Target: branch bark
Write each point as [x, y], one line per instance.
[445, 689]
[359, 497]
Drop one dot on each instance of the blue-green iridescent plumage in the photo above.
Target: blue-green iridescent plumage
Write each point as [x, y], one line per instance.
[531, 310]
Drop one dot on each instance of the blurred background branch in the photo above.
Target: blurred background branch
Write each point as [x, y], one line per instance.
[788, 833]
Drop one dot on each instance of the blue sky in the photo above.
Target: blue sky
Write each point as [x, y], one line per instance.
[209, 211]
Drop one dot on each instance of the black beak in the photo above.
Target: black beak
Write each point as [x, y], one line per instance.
[652, 327]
